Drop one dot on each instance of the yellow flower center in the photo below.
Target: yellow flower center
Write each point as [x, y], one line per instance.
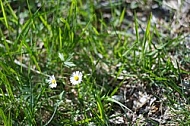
[76, 78]
[53, 81]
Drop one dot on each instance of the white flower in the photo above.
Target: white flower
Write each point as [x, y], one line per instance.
[52, 82]
[76, 78]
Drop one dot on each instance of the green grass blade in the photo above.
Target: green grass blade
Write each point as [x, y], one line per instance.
[4, 14]
[122, 16]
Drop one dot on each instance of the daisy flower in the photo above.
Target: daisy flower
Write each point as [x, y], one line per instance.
[52, 82]
[76, 78]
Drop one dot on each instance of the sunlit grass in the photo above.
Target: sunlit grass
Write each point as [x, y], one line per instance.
[43, 45]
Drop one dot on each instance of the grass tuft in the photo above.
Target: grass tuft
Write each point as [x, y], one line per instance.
[134, 71]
